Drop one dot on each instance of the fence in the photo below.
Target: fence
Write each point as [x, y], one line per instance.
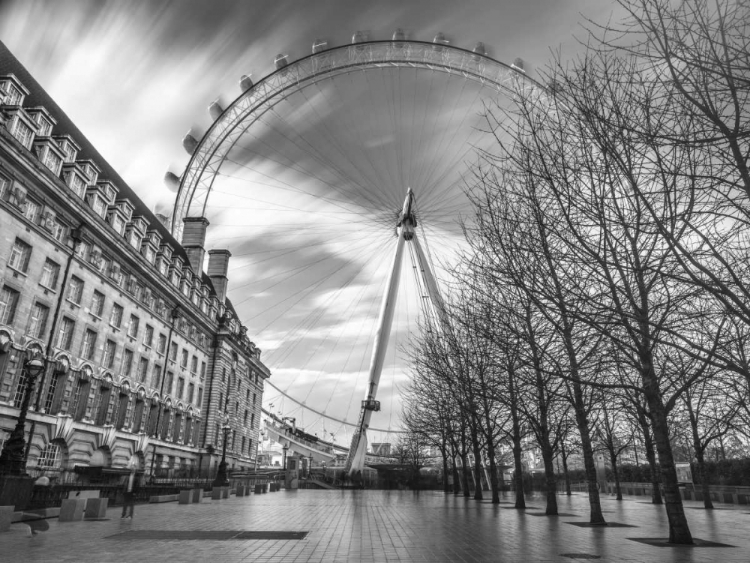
[52, 496]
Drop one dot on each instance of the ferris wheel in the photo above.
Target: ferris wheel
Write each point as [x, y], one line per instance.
[316, 177]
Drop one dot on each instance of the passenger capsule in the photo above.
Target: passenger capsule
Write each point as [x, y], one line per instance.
[246, 83]
[280, 61]
[189, 143]
[215, 110]
[440, 39]
[319, 45]
[358, 37]
[518, 65]
[479, 50]
[172, 181]
[399, 35]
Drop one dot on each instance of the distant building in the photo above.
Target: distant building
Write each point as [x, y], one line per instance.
[383, 449]
[146, 358]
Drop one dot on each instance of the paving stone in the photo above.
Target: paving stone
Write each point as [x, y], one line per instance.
[374, 526]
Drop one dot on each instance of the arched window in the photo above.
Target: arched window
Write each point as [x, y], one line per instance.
[51, 456]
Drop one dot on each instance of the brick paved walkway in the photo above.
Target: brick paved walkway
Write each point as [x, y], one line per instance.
[381, 526]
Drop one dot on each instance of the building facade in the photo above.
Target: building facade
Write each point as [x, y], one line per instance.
[146, 360]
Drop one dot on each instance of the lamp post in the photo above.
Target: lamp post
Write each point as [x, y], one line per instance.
[221, 475]
[285, 447]
[13, 458]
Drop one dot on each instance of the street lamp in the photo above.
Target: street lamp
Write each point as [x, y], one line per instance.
[221, 475]
[285, 447]
[13, 458]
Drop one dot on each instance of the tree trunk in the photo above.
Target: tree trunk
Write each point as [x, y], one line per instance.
[456, 479]
[494, 486]
[648, 444]
[446, 485]
[549, 474]
[464, 465]
[565, 468]
[516, 437]
[597, 518]
[705, 486]
[699, 455]
[478, 495]
[613, 461]
[679, 531]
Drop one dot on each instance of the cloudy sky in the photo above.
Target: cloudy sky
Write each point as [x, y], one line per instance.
[307, 198]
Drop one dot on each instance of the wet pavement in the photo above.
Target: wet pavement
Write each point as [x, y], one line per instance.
[332, 526]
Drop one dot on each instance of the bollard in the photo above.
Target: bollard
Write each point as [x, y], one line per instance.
[258, 489]
[6, 516]
[96, 508]
[186, 496]
[216, 493]
[71, 510]
[197, 495]
[224, 492]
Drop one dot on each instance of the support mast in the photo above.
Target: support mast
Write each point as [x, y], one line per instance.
[405, 232]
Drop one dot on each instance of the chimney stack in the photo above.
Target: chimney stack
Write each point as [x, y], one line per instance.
[218, 265]
[193, 240]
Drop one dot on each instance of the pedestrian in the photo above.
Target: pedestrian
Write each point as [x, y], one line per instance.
[129, 491]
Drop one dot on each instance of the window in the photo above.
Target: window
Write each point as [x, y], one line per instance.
[98, 205]
[242, 451]
[59, 231]
[23, 133]
[45, 127]
[38, 320]
[142, 369]
[115, 319]
[156, 376]
[50, 398]
[173, 352]
[4, 185]
[50, 272]
[52, 161]
[180, 387]
[19, 256]
[51, 456]
[254, 398]
[148, 337]
[162, 345]
[133, 326]
[88, 346]
[65, 334]
[75, 290]
[109, 354]
[199, 402]
[247, 413]
[252, 421]
[191, 393]
[184, 361]
[194, 365]
[31, 211]
[127, 363]
[20, 390]
[14, 96]
[97, 304]
[76, 184]
[203, 370]
[169, 383]
[8, 303]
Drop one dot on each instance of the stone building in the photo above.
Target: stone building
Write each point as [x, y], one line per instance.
[146, 359]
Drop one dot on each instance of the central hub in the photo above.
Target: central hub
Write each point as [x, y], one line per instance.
[407, 219]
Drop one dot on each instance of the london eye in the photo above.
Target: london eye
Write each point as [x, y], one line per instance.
[311, 177]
